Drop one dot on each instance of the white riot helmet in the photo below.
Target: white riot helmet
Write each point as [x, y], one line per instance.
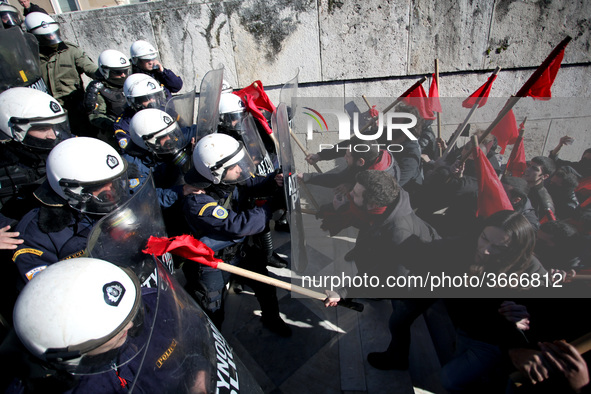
[156, 131]
[80, 308]
[114, 66]
[89, 174]
[11, 17]
[44, 28]
[221, 159]
[232, 111]
[29, 115]
[142, 91]
[142, 50]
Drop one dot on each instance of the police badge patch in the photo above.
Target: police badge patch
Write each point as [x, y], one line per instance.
[54, 107]
[112, 161]
[220, 212]
[113, 293]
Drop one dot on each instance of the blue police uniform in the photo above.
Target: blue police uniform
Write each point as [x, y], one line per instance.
[221, 219]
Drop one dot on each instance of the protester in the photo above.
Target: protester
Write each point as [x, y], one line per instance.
[538, 170]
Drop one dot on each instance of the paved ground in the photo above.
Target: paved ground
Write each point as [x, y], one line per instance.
[328, 349]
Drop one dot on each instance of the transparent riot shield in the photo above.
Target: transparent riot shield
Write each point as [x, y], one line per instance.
[209, 100]
[120, 236]
[280, 125]
[19, 61]
[255, 147]
[182, 108]
[289, 95]
[177, 348]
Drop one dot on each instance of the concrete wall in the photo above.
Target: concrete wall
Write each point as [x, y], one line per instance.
[348, 48]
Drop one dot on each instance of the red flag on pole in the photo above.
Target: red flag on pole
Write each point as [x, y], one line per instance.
[185, 246]
[516, 164]
[491, 194]
[482, 91]
[418, 99]
[540, 90]
[434, 96]
[506, 131]
[255, 99]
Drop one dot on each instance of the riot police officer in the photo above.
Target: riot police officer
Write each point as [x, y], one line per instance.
[86, 179]
[217, 216]
[141, 91]
[31, 124]
[104, 99]
[145, 60]
[10, 16]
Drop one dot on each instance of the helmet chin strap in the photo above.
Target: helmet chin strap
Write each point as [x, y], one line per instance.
[226, 159]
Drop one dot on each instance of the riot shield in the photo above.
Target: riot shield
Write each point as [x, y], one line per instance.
[255, 147]
[289, 95]
[182, 108]
[19, 60]
[120, 236]
[280, 125]
[179, 349]
[209, 100]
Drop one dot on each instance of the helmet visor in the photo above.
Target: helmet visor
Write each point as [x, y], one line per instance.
[10, 19]
[41, 133]
[237, 168]
[232, 120]
[117, 76]
[49, 39]
[154, 100]
[168, 140]
[99, 197]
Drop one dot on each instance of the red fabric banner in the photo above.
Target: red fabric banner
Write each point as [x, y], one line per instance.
[506, 131]
[185, 246]
[255, 99]
[434, 96]
[418, 99]
[482, 91]
[516, 164]
[541, 89]
[491, 194]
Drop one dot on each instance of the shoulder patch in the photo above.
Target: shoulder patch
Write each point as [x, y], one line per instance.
[134, 182]
[34, 272]
[36, 252]
[123, 143]
[220, 212]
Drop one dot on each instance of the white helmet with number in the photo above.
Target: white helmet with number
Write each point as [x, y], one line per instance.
[156, 131]
[28, 115]
[79, 308]
[114, 66]
[221, 159]
[232, 111]
[11, 17]
[89, 174]
[44, 28]
[142, 50]
[142, 91]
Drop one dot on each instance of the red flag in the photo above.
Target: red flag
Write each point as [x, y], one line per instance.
[540, 90]
[491, 194]
[434, 96]
[516, 163]
[482, 91]
[506, 131]
[418, 99]
[583, 190]
[184, 246]
[255, 99]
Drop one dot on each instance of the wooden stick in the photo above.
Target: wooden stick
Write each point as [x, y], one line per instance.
[438, 115]
[303, 186]
[297, 141]
[366, 101]
[462, 126]
[281, 284]
[309, 211]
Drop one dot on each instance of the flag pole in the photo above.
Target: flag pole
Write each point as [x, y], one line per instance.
[524, 90]
[438, 115]
[463, 125]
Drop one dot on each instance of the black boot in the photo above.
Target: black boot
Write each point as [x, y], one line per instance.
[267, 297]
[265, 241]
[282, 224]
